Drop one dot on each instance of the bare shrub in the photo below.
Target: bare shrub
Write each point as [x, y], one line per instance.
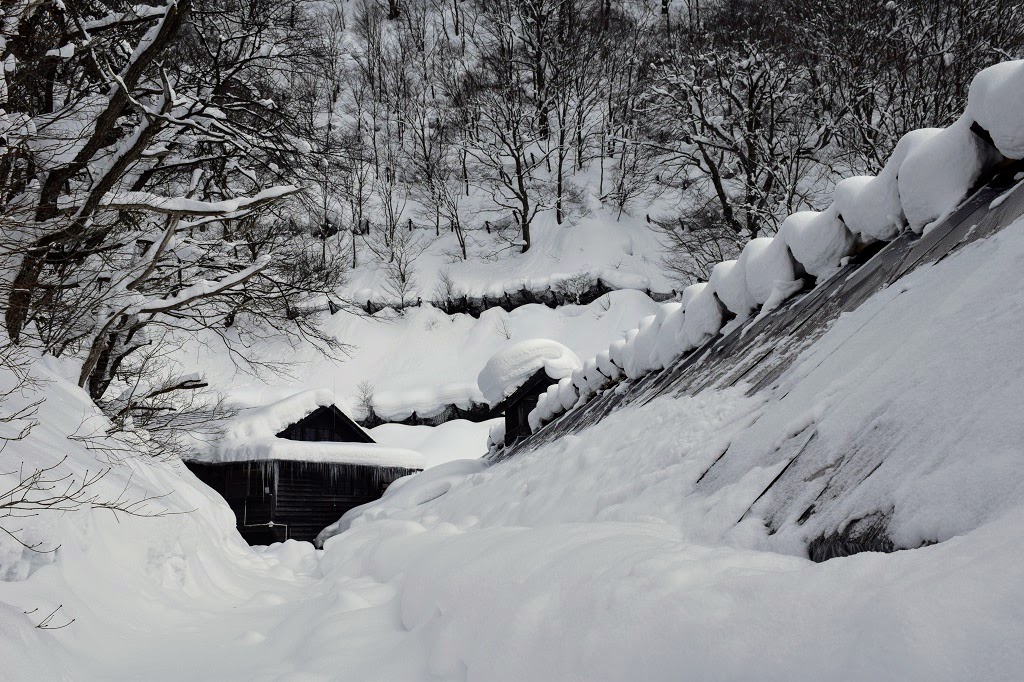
[573, 288]
[446, 291]
[695, 241]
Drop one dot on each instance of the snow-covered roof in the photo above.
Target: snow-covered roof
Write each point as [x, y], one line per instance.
[317, 451]
[994, 101]
[509, 369]
[929, 173]
[251, 435]
[268, 420]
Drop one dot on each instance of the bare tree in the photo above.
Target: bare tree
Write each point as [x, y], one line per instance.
[746, 136]
[509, 151]
[158, 169]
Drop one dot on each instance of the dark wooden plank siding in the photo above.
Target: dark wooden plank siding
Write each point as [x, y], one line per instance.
[278, 500]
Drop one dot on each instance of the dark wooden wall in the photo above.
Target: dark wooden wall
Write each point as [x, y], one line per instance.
[517, 422]
[299, 498]
[517, 407]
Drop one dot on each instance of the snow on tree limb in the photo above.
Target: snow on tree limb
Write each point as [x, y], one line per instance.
[153, 203]
[204, 289]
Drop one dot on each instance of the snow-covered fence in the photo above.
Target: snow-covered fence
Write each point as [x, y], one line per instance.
[439, 414]
[554, 292]
[925, 179]
[499, 224]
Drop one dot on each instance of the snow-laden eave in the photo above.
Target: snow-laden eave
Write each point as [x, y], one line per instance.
[325, 452]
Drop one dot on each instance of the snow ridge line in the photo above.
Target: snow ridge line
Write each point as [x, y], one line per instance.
[760, 352]
[927, 176]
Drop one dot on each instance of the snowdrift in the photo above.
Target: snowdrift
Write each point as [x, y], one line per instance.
[669, 538]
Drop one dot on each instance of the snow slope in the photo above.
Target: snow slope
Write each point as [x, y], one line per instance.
[603, 556]
[624, 253]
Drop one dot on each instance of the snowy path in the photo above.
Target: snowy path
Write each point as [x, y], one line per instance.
[599, 601]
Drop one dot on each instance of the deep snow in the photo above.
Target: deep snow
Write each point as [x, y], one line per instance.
[598, 557]
[645, 547]
[420, 361]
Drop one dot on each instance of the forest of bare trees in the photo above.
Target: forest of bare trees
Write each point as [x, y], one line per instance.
[220, 165]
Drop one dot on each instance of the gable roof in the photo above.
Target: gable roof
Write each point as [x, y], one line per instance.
[266, 421]
[255, 434]
[341, 421]
[536, 384]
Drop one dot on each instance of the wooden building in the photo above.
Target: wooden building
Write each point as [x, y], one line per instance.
[514, 378]
[517, 407]
[290, 469]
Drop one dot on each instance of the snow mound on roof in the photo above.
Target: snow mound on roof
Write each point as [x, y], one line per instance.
[666, 348]
[702, 318]
[269, 420]
[937, 174]
[870, 205]
[638, 349]
[995, 101]
[509, 369]
[818, 239]
[252, 435]
[730, 283]
[766, 261]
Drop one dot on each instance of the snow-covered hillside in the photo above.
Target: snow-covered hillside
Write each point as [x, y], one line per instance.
[625, 252]
[420, 361]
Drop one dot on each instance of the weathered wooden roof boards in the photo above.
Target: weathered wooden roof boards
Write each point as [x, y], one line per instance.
[290, 469]
[759, 354]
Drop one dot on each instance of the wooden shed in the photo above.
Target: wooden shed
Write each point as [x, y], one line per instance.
[517, 407]
[514, 378]
[290, 469]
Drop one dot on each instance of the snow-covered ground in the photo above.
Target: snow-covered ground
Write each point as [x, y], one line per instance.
[597, 557]
[419, 361]
[452, 440]
[624, 251]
